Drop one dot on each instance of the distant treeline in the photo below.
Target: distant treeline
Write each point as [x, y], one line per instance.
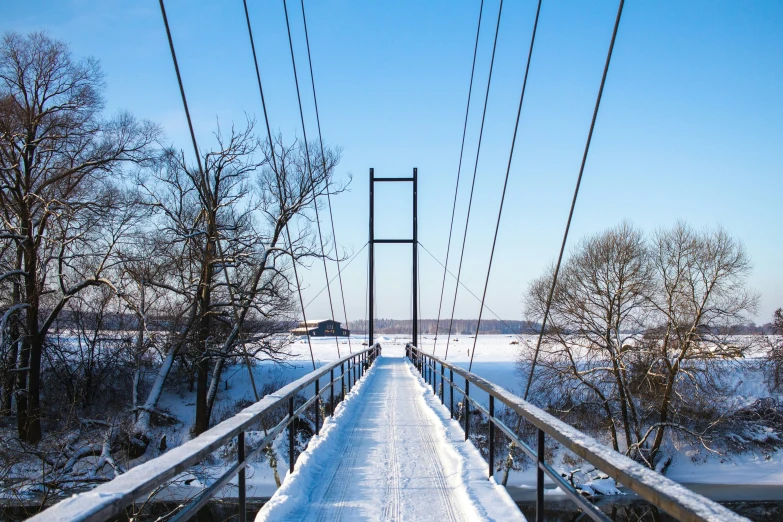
[495, 326]
[130, 322]
[459, 326]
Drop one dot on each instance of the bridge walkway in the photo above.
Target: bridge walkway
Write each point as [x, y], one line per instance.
[391, 454]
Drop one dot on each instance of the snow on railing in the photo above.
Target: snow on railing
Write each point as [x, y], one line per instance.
[677, 500]
[111, 498]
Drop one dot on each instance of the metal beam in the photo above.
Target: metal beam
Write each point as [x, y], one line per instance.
[371, 297]
[415, 259]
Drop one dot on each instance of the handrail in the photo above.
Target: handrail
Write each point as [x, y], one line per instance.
[109, 499]
[675, 499]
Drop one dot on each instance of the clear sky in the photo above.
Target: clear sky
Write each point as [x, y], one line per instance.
[691, 124]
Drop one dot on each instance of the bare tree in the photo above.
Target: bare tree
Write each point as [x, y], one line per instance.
[598, 310]
[701, 300]
[57, 156]
[774, 343]
[636, 331]
[228, 267]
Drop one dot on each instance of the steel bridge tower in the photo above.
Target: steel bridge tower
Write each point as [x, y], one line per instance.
[414, 242]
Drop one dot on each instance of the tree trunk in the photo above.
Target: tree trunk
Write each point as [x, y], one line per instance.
[6, 401]
[217, 372]
[202, 368]
[202, 385]
[29, 384]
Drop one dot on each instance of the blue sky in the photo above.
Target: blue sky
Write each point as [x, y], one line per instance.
[691, 124]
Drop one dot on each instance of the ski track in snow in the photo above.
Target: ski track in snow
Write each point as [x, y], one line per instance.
[391, 453]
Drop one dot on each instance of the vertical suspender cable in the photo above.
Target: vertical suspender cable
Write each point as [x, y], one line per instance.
[351, 260]
[328, 195]
[282, 195]
[201, 171]
[418, 286]
[310, 169]
[475, 169]
[459, 171]
[573, 201]
[505, 183]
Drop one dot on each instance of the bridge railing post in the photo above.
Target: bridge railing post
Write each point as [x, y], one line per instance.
[466, 407]
[342, 377]
[491, 435]
[540, 477]
[241, 480]
[291, 430]
[433, 371]
[442, 384]
[451, 392]
[317, 405]
[331, 381]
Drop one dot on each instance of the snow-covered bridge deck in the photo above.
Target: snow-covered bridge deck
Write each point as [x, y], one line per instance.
[391, 453]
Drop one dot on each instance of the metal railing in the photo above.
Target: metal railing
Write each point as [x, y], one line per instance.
[660, 491]
[111, 498]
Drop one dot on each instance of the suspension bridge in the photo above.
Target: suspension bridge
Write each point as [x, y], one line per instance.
[392, 426]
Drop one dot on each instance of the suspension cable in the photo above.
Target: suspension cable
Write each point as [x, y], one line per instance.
[459, 171]
[181, 88]
[475, 169]
[573, 201]
[505, 183]
[463, 285]
[201, 172]
[280, 184]
[328, 192]
[310, 169]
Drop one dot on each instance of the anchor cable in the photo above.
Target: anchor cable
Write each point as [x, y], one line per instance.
[505, 183]
[310, 169]
[201, 172]
[328, 192]
[282, 195]
[573, 201]
[459, 171]
[475, 170]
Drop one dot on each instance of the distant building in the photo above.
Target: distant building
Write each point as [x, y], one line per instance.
[322, 328]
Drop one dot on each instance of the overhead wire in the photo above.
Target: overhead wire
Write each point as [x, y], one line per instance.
[418, 287]
[201, 172]
[573, 201]
[367, 300]
[505, 182]
[459, 171]
[335, 277]
[310, 167]
[280, 185]
[475, 170]
[328, 192]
